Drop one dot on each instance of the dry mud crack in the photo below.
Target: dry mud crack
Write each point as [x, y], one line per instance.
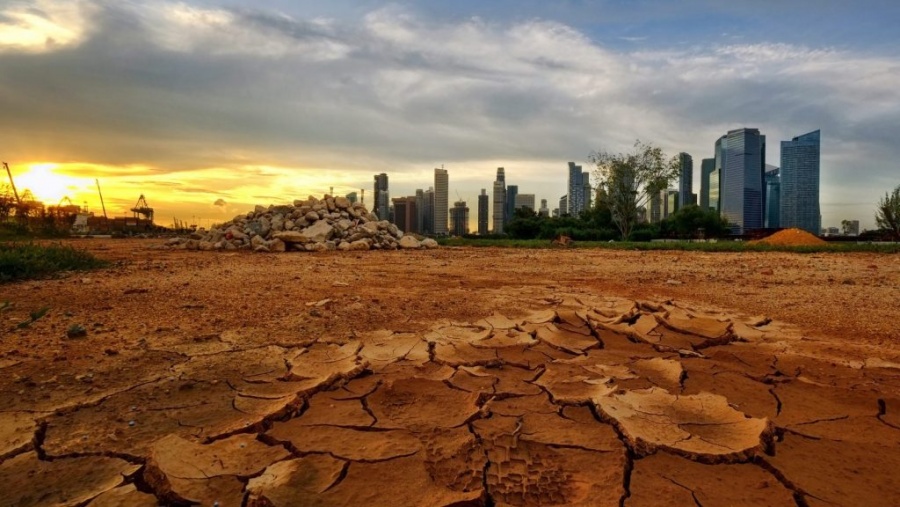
[587, 401]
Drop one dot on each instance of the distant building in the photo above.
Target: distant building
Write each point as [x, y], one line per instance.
[382, 197]
[459, 219]
[742, 186]
[685, 179]
[525, 201]
[555, 213]
[564, 205]
[670, 202]
[499, 211]
[420, 210]
[800, 182]
[428, 216]
[707, 166]
[850, 227]
[405, 214]
[352, 197]
[579, 196]
[773, 198]
[512, 191]
[483, 204]
[441, 201]
[656, 208]
[715, 203]
[544, 211]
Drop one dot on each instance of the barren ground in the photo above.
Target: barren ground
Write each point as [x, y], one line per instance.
[454, 377]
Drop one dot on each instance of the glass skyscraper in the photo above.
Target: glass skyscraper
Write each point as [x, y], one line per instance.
[743, 188]
[800, 183]
[686, 180]
[773, 199]
[707, 166]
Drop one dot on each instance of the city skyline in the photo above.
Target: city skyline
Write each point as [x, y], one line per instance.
[209, 110]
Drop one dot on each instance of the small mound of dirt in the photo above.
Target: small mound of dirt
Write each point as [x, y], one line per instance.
[791, 237]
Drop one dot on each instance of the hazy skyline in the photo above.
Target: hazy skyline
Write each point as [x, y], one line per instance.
[208, 108]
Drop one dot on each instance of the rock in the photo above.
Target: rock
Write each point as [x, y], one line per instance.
[206, 246]
[276, 245]
[360, 244]
[321, 231]
[409, 242]
[342, 202]
[311, 217]
[429, 243]
[257, 241]
[291, 237]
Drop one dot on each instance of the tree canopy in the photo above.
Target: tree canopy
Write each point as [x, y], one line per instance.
[887, 215]
[629, 180]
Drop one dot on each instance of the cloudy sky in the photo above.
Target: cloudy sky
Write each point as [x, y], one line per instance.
[209, 107]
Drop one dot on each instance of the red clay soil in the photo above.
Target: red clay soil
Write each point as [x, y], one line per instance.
[456, 376]
[792, 237]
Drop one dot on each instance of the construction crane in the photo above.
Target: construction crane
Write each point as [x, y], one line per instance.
[143, 209]
[101, 197]
[12, 184]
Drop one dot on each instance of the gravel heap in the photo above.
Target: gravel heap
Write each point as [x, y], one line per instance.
[792, 237]
[311, 225]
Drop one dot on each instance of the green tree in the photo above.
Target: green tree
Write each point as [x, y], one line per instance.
[691, 221]
[887, 215]
[628, 180]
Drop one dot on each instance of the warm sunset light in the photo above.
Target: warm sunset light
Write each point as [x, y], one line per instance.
[48, 186]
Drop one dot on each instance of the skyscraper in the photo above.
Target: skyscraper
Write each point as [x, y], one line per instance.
[707, 166]
[428, 216]
[670, 202]
[773, 198]
[525, 201]
[579, 188]
[499, 211]
[656, 209]
[743, 190]
[459, 219]
[564, 205]
[405, 213]
[483, 202]
[512, 191]
[544, 211]
[685, 180]
[441, 201]
[382, 197]
[715, 202]
[800, 182]
[420, 210]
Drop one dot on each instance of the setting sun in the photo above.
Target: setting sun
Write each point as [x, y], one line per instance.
[48, 186]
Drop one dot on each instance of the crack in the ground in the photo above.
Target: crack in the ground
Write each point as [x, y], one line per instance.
[689, 490]
[798, 493]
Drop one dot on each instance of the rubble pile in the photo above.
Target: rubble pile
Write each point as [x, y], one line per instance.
[792, 237]
[311, 225]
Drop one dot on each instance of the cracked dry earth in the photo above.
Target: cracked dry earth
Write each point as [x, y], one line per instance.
[570, 398]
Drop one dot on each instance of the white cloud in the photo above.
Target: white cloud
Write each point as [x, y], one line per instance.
[43, 25]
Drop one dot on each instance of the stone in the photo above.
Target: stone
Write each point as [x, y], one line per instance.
[359, 245]
[409, 242]
[429, 243]
[311, 217]
[16, 431]
[299, 481]
[291, 237]
[319, 232]
[276, 245]
[342, 202]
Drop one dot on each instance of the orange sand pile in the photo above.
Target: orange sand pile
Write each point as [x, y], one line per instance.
[791, 237]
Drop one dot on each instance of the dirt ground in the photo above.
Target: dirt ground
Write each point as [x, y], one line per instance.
[456, 376]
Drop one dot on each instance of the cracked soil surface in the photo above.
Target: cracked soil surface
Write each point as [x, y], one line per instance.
[454, 377]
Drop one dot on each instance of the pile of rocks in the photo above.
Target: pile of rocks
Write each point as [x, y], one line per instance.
[311, 225]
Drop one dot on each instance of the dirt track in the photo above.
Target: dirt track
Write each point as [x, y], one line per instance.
[219, 376]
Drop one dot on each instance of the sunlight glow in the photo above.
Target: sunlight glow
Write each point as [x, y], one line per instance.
[48, 186]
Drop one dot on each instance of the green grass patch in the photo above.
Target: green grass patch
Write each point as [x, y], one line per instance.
[25, 261]
[719, 246]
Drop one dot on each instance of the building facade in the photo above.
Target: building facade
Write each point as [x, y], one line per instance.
[707, 166]
[441, 201]
[800, 182]
[420, 210]
[742, 180]
[773, 199]
[579, 196]
[499, 211]
[525, 201]
[715, 191]
[459, 219]
[382, 197]
[483, 204]
[512, 191]
[564, 205]
[685, 180]
[405, 214]
[428, 215]
[544, 211]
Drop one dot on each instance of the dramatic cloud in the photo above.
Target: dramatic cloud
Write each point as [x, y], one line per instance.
[237, 103]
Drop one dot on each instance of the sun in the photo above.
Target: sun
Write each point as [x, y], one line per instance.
[46, 185]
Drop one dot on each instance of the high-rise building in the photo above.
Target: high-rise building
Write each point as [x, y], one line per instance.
[483, 202]
[773, 198]
[382, 197]
[656, 209]
[800, 182]
[420, 210]
[499, 211]
[579, 196]
[707, 166]
[441, 201]
[715, 191]
[428, 216]
[670, 202]
[564, 205]
[743, 188]
[544, 211]
[512, 191]
[685, 180]
[405, 214]
[459, 219]
[525, 201]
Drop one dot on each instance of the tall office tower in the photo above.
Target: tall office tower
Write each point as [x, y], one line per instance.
[544, 211]
[441, 201]
[512, 191]
[555, 213]
[564, 205]
[578, 182]
[671, 202]
[352, 197]
[800, 182]
[405, 213]
[459, 219]
[525, 201]
[656, 208]
[499, 211]
[428, 216]
[381, 197]
[773, 198]
[483, 203]
[686, 180]
[420, 210]
[707, 166]
[720, 156]
[715, 191]
[742, 180]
